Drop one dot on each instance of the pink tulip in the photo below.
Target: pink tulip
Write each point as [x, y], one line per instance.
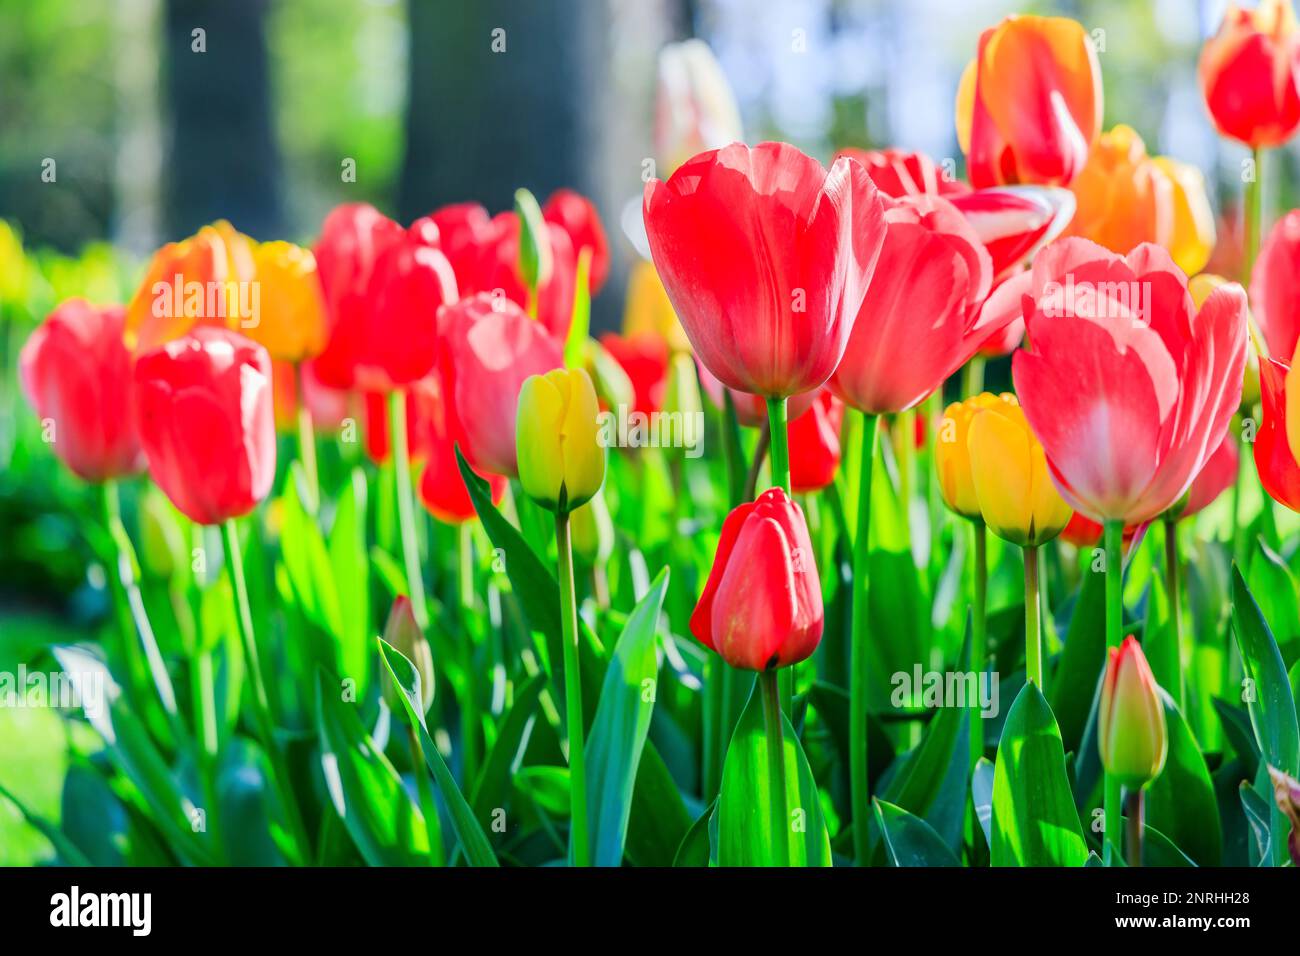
[1275, 288]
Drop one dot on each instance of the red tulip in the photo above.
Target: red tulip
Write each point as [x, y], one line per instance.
[398, 340]
[1014, 222]
[1250, 74]
[420, 397]
[352, 238]
[575, 214]
[492, 346]
[1275, 287]
[1127, 386]
[762, 604]
[1081, 531]
[1029, 104]
[1217, 476]
[205, 417]
[751, 410]
[462, 227]
[76, 373]
[644, 358]
[766, 257]
[919, 321]
[1278, 471]
[815, 443]
[442, 489]
[495, 268]
[898, 173]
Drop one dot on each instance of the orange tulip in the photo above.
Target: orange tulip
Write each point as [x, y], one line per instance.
[1126, 198]
[1250, 74]
[1029, 104]
[203, 280]
[291, 320]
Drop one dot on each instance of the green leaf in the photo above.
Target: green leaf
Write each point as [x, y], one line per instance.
[350, 562]
[694, 848]
[1180, 802]
[1159, 850]
[407, 679]
[1034, 820]
[618, 733]
[492, 786]
[1074, 682]
[909, 840]
[307, 560]
[366, 791]
[1258, 815]
[534, 249]
[1274, 589]
[981, 789]
[69, 854]
[575, 346]
[659, 818]
[1271, 706]
[549, 786]
[1236, 727]
[744, 808]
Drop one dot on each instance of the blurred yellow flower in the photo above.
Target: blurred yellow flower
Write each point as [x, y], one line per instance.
[291, 320]
[649, 310]
[561, 459]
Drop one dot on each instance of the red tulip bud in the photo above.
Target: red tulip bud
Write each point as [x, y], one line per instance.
[403, 633]
[1131, 729]
[762, 605]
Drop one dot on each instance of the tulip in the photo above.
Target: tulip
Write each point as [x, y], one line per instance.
[1131, 733]
[1286, 794]
[1250, 74]
[762, 608]
[645, 359]
[919, 321]
[1275, 287]
[1126, 197]
[575, 214]
[649, 311]
[1029, 104]
[1217, 476]
[398, 340]
[695, 109]
[495, 268]
[898, 173]
[1014, 222]
[765, 257]
[1278, 471]
[292, 322]
[561, 455]
[952, 453]
[403, 633]
[1009, 469]
[203, 280]
[492, 347]
[435, 434]
[1081, 531]
[1128, 388]
[205, 419]
[462, 227]
[76, 373]
[815, 443]
[352, 238]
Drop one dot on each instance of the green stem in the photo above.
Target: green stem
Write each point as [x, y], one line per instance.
[858, 665]
[425, 794]
[572, 696]
[779, 438]
[755, 466]
[979, 638]
[280, 780]
[307, 445]
[1173, 590]
[406, 506]
[1113, 534]
[469, 718]
[933, 411]
[775, 733]
[973, 377]
[1238, 525]
[1133, 818]
[1033, 629]
[1253, 213]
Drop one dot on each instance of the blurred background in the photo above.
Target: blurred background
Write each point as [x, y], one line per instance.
[128, 123]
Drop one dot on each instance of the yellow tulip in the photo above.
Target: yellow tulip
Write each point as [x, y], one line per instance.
[561, 458]
[1016, 496]
[951, 457]
[1192, 235]
[291, 319]
[13, 265]
[649, 309]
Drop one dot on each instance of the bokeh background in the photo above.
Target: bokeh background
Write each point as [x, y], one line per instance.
[147, 137]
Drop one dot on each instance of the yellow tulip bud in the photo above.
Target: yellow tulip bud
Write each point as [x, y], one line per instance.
[1016, 496]
[561, 457]
[291, 323]
[951, 457]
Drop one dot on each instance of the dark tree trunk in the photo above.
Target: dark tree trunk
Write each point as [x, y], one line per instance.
[222, 160]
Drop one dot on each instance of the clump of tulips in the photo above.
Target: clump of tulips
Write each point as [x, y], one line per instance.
[767, 698]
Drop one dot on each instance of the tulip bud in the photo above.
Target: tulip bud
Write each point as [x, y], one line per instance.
[762, 604]
[1016, 496]
[1131, 733]
[1248, 74]
[952, 454]
[403, 633]
[1286, 791]
[534, 251]
[575, 214]
[561, 459]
